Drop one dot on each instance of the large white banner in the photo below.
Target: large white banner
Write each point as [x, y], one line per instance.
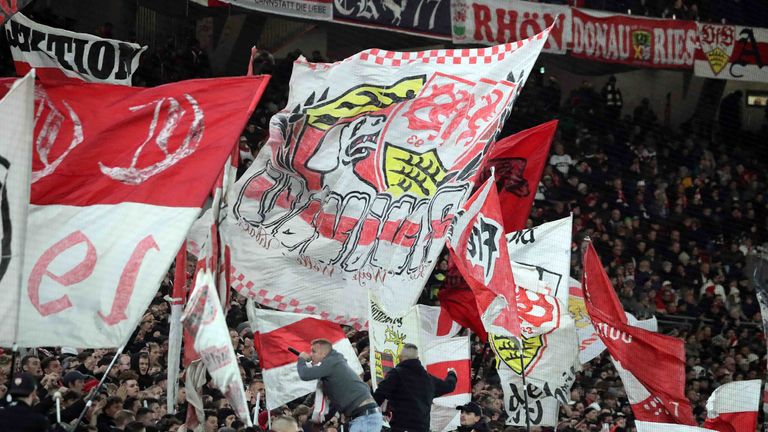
[731, 52]
[17, 114]
[363, 173]
[548, 357]
[490, 22]
[60, 53]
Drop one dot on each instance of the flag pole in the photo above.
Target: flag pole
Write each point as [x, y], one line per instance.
[525, 386]
[95, 391]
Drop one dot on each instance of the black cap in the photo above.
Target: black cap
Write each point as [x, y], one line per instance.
[23, 385]
[73, 376]
[471, 407]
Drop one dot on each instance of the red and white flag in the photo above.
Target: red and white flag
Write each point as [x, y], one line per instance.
[438, 357]
[733, 407]
[479, 250]
[651, 366]
[61, 54]
[647, 426]
[205, 321]
[118, 176]
[16, 134]
[274, 332]
[518, 161]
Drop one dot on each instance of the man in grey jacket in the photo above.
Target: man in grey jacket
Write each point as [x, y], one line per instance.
[341, 385]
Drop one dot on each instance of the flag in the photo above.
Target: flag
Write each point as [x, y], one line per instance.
[457, 298]
[590, 345]
[118, 176]
[540, 259]
[363, 173]
[17, 112]
[648, 426]
[478, 248]
[387, 335]
[10, 7]
[519, 161]
[733, 407]
[438, 357]
[60, 54]
[651, 366]
[204, 319]
[276, 332]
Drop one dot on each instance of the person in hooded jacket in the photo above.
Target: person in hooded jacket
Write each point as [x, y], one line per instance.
[409, 388]
[140, 364]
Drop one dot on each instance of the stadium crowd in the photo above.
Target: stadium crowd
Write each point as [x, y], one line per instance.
[673, 213]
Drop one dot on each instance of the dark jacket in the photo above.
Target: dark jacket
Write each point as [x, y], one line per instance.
[340, 383]
[409, 388]
[20, 417]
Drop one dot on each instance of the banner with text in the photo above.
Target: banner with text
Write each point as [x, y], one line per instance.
[492, 22]
[57, 53]
[732, 52]
[431, 18]
[310, 9]
[642, 42]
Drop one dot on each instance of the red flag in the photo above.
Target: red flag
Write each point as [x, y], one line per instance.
[651, 366]
[519, 161]
[458, 300]
[479, 250]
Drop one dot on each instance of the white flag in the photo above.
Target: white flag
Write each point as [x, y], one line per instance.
[16, 133]
[205, 321]
[362, 175]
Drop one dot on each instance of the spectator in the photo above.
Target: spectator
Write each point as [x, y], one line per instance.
[20, 415]
[409, 388]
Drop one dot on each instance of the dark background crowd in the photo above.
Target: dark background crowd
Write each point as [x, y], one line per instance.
[674, 212]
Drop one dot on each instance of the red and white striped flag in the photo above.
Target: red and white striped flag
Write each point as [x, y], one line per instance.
[733, 407]
[118, 176]
[274, 332]
[440, 356]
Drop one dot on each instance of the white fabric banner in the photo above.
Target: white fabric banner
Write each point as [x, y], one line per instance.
[490, 22]
[16, 134]
[731, 52]
[540, 259]
[58, 53]
[205, 321]
[362, 175]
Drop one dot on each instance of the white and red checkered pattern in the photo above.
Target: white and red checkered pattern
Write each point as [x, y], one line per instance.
[282, 303]
[464, 56]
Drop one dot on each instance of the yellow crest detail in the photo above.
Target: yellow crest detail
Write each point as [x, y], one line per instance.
[506, 351]
[717, 58]
[578, 310]
[363, 99]
[410, 172]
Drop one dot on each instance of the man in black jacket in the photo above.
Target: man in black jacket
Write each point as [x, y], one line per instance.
[409, 388]
[19, 415]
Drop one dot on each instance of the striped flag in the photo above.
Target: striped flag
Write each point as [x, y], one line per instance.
[733, 407]
[274, 332]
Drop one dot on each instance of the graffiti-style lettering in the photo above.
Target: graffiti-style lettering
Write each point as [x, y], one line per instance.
[483, 245]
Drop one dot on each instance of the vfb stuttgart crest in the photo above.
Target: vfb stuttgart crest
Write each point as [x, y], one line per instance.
[717, 44]
[508, 351]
